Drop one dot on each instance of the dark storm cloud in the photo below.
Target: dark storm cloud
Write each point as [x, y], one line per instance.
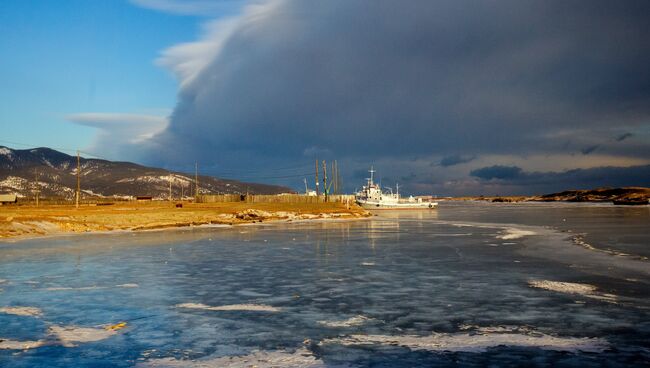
[577, 178]
[418, 76]
[392, 79]
[590, 149]
[624, 136]
[497, 172]
[455, 160]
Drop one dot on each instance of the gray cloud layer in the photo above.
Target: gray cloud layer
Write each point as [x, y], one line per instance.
[570, 179]
[388, 80]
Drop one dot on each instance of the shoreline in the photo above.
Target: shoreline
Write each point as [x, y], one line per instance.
[30, 223]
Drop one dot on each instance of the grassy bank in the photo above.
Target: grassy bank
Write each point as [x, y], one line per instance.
[31, 221]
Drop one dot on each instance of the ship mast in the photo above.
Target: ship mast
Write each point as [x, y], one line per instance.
[371, 171]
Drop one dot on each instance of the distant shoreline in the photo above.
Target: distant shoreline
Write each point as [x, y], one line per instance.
[602, 195]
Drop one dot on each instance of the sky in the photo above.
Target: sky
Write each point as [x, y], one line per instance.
[445, 97]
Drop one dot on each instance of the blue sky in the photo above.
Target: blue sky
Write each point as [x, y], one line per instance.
[66, 57]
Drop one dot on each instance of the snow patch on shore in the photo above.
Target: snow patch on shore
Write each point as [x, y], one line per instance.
[230, 307]
[22, 311]
[476, 343]
[301, 358]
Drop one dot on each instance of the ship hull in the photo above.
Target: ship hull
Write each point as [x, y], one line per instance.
[397, 206]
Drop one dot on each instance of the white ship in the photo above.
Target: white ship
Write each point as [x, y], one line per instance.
[372, 197]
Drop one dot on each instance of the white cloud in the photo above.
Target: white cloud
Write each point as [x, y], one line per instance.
[187, 60]
[120, 132]
[188, 7]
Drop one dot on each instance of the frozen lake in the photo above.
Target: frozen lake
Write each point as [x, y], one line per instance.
[468, 284]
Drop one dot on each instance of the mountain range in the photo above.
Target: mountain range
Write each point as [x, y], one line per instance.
[54, 174]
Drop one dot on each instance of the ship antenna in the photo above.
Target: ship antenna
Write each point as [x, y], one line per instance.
[371, 171]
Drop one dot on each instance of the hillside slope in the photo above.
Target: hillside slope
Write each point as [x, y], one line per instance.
[57, 177]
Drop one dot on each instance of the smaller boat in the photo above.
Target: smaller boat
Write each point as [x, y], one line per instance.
[371, 196]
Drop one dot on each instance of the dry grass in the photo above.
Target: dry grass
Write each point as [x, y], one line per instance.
[28, 221]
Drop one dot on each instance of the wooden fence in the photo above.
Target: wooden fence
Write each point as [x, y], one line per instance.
[284, 198]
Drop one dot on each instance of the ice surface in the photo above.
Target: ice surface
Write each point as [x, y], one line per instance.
[236, 297]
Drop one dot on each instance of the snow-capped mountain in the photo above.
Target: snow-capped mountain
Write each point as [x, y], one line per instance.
[57, 177]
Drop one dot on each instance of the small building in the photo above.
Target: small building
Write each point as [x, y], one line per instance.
[8, 198]
[144, 198]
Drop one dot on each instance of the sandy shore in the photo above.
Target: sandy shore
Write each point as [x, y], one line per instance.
[18, 222]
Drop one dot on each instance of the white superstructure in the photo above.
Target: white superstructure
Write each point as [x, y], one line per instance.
[372, 197]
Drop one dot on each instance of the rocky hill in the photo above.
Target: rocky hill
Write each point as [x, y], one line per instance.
[597, 195]
[57, 178]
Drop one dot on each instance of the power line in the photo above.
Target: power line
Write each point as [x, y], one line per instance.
[34, 146]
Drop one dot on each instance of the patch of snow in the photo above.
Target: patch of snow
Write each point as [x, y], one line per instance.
[70, 336]
[231, 307]
[587, 290]
[301, 358]
[22, 311]
[350, 322]
[15, 183]
[7, 344]
[7, 152]
[477, 343]
[512, 233]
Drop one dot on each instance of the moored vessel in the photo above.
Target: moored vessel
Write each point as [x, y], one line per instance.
[371, 196]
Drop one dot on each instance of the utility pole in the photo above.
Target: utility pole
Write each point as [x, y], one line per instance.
[196, 181]
[333, 180]
[170, 187]
[37, 189]
[78, 179]
[317, 191]
[339, 183]
[336, 175]
[325, 179]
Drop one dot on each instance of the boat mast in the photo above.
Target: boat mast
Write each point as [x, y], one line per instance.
[371, 171]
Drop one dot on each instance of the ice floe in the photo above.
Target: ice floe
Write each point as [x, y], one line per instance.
[350, 322]
[7, 344]
[586, 290]
[22, 311]
[476, 342]
[70, 336]
[231, 307]
[301, 358]
[82, 288]
[67, 336]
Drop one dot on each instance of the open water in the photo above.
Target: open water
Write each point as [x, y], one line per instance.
[468, 284]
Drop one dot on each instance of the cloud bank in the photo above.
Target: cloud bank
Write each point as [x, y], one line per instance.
[426, 90]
